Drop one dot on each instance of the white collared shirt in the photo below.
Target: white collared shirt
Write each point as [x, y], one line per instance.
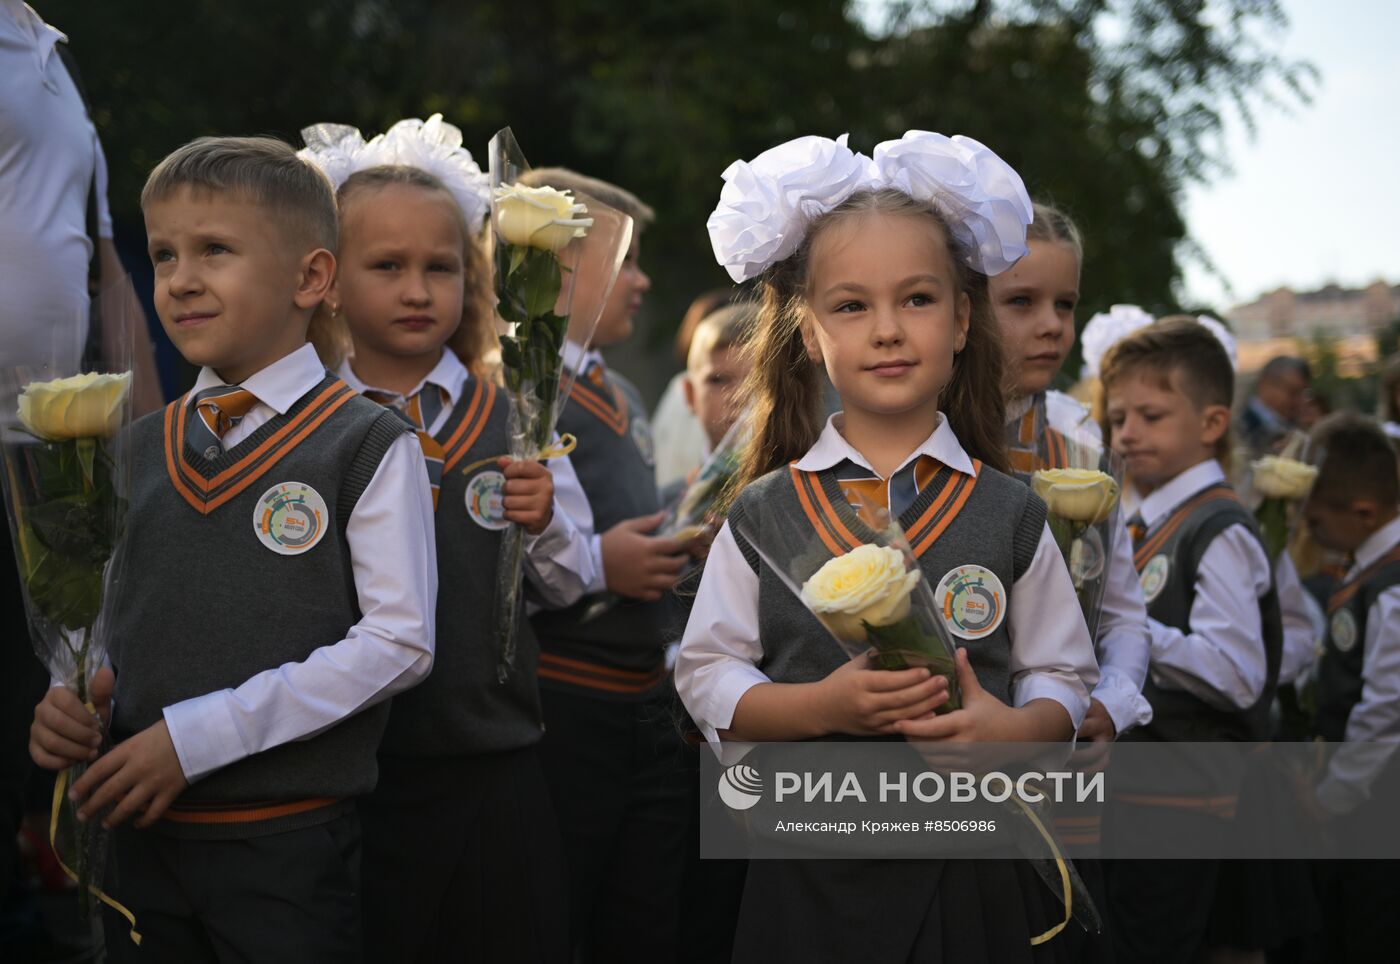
[578, 360]
[1051, 655]
[1123, 643]
[1221, 659]
[1304, 622]
[394, 561]
[1373, 728]
[559, 561]
[49, 155]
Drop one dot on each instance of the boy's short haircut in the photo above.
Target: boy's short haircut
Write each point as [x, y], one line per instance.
[1178, 346]
[1358, 461]
[1182, 347]
[563, 179]
[262, 169]
[720, 330]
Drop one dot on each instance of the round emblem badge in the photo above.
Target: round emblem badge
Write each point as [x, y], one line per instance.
[485, 495]
[290, 518]
[641, 437]
[1343, 630]
[1153, 577]
[973, 601]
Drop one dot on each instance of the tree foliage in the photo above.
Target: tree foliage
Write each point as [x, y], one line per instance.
[1107, 107]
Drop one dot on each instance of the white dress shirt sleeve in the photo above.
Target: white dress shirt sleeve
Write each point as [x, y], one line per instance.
[1052, 656]
[1221, 660]
[560, 560]
[1122, 644]
[716, 664]
[104, 213]
[1373, 728]
[394, 562]
[1301, 633]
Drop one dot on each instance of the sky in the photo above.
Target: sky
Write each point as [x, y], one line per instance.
[1314, 195]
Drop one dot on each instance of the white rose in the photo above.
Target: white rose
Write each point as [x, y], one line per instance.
[82, 406]
[1281, 478]
[539, 217]
[869, 584]
[1079, 495]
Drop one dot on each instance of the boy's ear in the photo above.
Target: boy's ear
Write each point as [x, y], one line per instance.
[689, 392]
[1367, 511]
[1215, 422]
[316, 278]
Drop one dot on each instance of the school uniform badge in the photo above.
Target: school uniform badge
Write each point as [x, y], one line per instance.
[641, 437]
[972, 600]
[486, 500]
[1343, 630]
[1153, 577]
[290, 518]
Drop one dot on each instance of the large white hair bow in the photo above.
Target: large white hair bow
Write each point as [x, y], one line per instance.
[1106, 329]
[766, 204]
[432, 145]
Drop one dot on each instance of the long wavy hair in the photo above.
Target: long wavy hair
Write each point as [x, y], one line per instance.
[475, 341]
[784, 389]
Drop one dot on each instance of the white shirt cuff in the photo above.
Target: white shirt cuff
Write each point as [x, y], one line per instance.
[1043, 686]
[723, 694]
[1126, 705]
[205, 734]
[600, 578]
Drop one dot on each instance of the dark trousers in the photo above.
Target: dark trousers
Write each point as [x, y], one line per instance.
[625, 791]
[463, 862]
[284, 898]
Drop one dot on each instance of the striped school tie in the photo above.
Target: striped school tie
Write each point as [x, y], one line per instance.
[420, 410]
[1137, 528]
[213, 412]
[865, 490]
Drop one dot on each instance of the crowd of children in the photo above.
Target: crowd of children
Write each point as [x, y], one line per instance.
[318, 762]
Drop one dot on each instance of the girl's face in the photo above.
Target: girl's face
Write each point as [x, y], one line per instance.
[1034, 302]
[400, 283]
[887, 315]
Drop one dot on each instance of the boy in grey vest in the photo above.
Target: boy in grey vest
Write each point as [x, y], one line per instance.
[282, 588]
[621, 784]
[1352, 510]
[1213, 615]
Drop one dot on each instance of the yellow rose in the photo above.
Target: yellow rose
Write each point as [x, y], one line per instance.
[83, 406]
[868, 584]
[1282, 478]
[539, 217]
[1079, 495]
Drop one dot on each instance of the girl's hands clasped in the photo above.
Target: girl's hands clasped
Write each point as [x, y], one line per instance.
[860, 700]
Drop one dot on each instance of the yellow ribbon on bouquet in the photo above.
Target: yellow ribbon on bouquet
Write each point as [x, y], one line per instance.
[566, 444]
[60, 787]
[1064, 875]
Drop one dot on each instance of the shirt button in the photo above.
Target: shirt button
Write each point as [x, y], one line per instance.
[212, 452]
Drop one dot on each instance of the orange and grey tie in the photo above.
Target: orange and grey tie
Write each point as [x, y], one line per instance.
[1137, 528]
[420, 410]
[213, 412]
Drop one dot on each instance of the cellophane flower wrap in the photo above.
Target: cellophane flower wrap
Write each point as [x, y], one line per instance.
[1080, 483]
[695, 510]
[1281, 483]
[64, 436]
[874, 600]
[556, 257]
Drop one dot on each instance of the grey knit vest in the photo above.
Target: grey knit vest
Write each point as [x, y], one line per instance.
[1339, 679]
[461, 708]
[998, 527]
[206, 604]
[615, 467]
[1181, 540]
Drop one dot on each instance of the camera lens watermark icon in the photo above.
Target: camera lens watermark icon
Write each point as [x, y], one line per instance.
[740, 786]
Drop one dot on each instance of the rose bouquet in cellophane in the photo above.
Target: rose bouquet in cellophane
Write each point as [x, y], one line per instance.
[546, 241]
[64, 441]
[1080, 483]
[874, 600]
